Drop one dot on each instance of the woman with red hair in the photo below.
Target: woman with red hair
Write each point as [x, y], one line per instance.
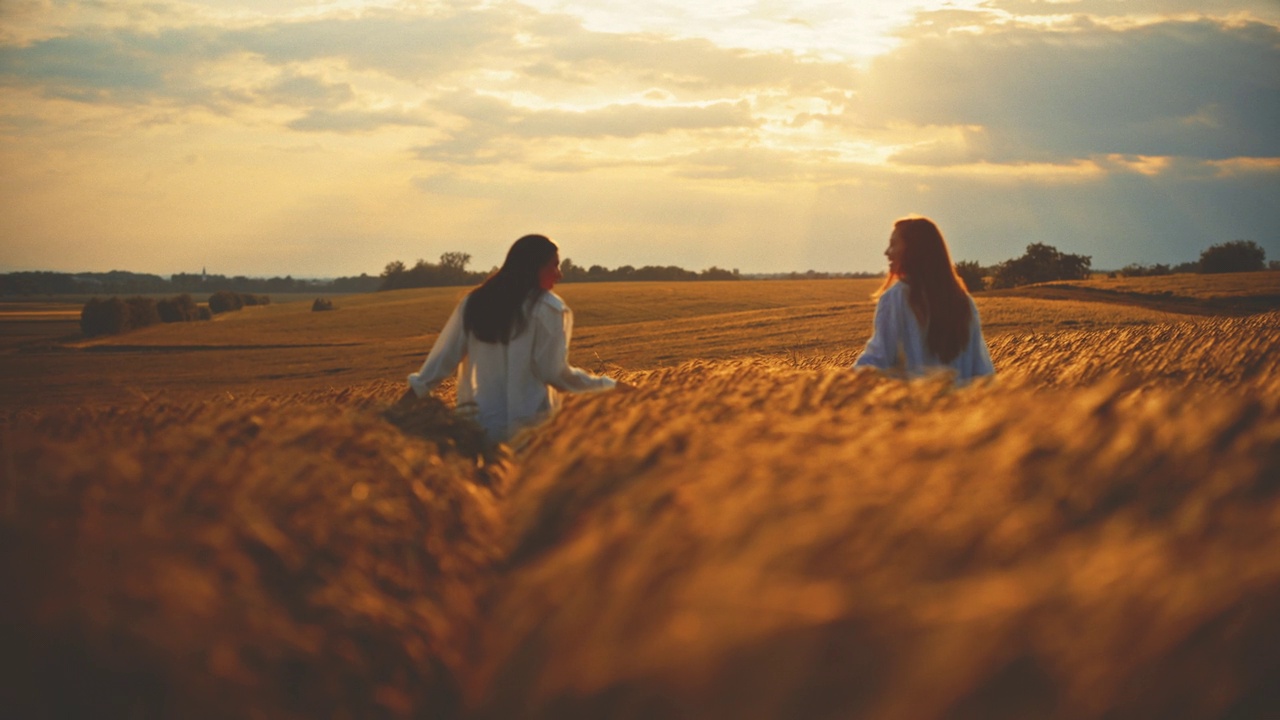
[925, 318]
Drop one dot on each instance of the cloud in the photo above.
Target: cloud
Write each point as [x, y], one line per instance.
[345, 71]
[346, 121]
[128, 65]
[744, 163]
[631, 120]
[1197, 89]
[687, 65]
[1100, 127]
[309, 91]
[123, 67]
[92, 67]
[1113, 8]
[469, 149]
[495, 129]
[400, 44]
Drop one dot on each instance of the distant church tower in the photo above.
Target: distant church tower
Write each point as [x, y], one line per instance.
[203, 275]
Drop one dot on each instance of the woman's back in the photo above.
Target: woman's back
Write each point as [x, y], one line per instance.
[898, 342]
[516, 383]
[512, 385]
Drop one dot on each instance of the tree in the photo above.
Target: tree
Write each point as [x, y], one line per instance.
[392, 276]
[225, 301]
[1139, 270]
[716, 273]
[1234, 256]
[423, 274]
[973, 275]
[362, 284]
[455, 261]
[453, 268]
[1041, 263]
[572, 272]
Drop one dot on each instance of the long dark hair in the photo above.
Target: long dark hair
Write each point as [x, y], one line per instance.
[495, 309]
[938, 296]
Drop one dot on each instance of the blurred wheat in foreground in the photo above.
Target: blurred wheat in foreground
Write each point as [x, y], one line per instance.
[1094, 535]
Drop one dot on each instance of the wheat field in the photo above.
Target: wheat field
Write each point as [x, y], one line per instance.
[1094, 534]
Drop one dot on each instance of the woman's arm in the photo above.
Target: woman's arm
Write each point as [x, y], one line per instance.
[449, 349]
[882, 349]
[551, 354]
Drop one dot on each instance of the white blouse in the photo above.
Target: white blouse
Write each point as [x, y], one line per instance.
[898, 342]
[511, 386]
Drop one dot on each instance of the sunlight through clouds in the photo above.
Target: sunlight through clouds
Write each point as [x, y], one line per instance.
[758, 135]
[820, 29]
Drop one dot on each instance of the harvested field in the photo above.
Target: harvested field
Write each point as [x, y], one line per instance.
[747, 539]
[768, 535]
[213, 560]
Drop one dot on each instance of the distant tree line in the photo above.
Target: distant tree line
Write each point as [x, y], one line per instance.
[1228, 257]
[627, 273]
[116, 315]
[1045, 263]
[452, 270]
[815, 275]
[227, 301]
[120, 282]
[1040, 263]
[196, 283]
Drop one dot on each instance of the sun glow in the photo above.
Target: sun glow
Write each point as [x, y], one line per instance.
[818, 29]
[761, 135]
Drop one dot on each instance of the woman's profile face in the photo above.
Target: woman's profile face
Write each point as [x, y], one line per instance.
[897, 249]
[550, 273]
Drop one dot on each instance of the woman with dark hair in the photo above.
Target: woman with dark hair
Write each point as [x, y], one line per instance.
[925, 318]
[510, 336]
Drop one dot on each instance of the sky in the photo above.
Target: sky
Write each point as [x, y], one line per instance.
[321, 139]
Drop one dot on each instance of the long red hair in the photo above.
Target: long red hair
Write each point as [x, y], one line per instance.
[938, 296]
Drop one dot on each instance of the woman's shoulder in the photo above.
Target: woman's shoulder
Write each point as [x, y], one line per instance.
[897, 293]
[552, 301]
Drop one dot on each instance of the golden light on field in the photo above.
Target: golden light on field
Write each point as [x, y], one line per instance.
[753, 530]
[323, 139]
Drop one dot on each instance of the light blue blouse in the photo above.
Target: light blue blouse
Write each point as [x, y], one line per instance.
[898, 342]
